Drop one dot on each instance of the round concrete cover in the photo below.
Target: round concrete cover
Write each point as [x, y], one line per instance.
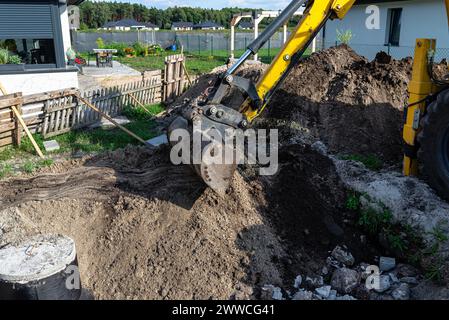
[36, 258]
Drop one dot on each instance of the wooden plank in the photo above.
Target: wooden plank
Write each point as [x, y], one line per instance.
[6, 141]
[46, 118]
[39, 97]
[30, 136]
[9, 100]
[18, 129]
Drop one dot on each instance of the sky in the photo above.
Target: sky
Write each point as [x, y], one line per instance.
[215, 4]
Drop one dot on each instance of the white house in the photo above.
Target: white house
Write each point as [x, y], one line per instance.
[182, 26]
[128, 25]
[400, 23]
[37, 33]
[208, 25]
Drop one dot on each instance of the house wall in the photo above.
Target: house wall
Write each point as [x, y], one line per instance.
[30, 83]
[65, 25]
[420, 19]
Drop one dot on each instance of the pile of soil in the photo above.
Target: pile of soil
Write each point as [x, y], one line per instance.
[351, 104]
[147, 229]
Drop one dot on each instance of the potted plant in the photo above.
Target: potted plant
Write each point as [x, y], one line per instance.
[10, 62]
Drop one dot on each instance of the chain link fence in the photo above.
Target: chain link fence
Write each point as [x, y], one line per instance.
[217, 44]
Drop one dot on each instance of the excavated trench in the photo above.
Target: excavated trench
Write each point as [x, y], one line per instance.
[146, 229]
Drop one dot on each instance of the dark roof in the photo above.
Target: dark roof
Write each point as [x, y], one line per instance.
[182, 24]
[208, 24]
[246, 24]
[124, 23]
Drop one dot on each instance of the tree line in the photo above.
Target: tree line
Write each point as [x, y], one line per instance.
[96, 14]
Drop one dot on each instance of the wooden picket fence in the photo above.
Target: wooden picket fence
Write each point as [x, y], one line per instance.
[57, 112]
[174, 77]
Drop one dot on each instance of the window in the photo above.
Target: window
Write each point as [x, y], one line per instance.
[31, 31]
[394, 26]
[31, 51]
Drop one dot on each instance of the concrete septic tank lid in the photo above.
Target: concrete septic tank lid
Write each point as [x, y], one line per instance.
[36, 258]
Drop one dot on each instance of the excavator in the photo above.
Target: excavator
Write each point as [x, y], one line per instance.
[426, 117]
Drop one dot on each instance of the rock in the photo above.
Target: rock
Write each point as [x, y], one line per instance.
[332, 295]
[51, 145]
[393, 277]
[386, 263]
[324, 271]
[345, 297]
[344, 280]
[303, 295]
[319, 147]
[405, 270]
[315, 282]
[323, 291]
[342, 256]
[298, 281]
[384, 284]
[159, 140]
[409, 280]
[270, 292]
[401, 293]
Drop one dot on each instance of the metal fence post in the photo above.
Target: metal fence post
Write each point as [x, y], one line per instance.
[199, 45]
[389, 48]
[211, 46]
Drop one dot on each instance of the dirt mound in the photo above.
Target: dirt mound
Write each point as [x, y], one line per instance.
[147, 229]
[351, 104]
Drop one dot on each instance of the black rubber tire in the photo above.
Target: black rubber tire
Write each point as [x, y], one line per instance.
[434, 142]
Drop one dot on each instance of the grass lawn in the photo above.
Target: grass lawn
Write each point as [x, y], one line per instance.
[84, 140]
[197, 62]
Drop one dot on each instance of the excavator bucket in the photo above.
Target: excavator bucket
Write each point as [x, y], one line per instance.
[212, 157]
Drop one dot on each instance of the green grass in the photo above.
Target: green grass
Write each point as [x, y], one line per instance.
[89, 140]
[30, 166]
[5, 170]
[198, 62]
[370, 161]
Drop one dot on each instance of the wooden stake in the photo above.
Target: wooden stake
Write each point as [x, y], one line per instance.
[139, 103]
[24, 126]
[187, 73]
[90, 105]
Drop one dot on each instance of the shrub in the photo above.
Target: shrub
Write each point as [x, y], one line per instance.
[100, 43]
[140, 49]
[4, 56]
[344, 36]
[130, 51]
[14, 60]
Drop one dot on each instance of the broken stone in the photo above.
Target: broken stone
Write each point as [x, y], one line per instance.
[158, 141]
[319, 147]
[51, 145]
[315, 282]
[345, 280]
[345, 297]
[270, 292]
[409, 280]
[342, 256]
[393, 278]
[401, 293]
[384, 284]
[387, 263]
[323, 291]
[298, 281]
[303, 295]
[332, 295]
[405, 270]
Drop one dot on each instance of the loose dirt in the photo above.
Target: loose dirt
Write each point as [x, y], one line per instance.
[146, 229]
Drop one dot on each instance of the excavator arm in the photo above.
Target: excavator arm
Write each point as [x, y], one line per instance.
[212, 118]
